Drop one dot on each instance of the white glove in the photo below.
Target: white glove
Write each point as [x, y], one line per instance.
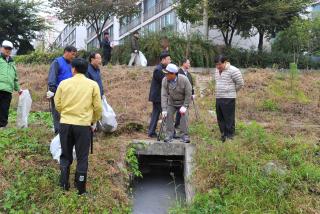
[136, 51]
[164, 114]
[183, 110]
[193, 97]
[50, 94]
[94, 127]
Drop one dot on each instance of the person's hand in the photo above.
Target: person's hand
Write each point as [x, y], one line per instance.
[104, 97]
[20, 92]
[193, 97]
[183, 110]
[94, 127]
[164, 114]
[136, 51]
[50, 94]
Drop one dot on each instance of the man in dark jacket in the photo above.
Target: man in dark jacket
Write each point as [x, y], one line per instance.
[134, 49]
[93, 72]
[60, 70]
[184, 70]
[107, 48]
[155, 93]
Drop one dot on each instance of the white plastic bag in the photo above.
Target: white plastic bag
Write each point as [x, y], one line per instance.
[143, 59]
[24, 107]
[108, 120]
[55, 149]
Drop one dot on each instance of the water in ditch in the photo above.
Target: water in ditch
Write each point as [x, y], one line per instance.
[161, 187]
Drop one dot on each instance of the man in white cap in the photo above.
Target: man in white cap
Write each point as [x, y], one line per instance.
[8, 81]
[176, 94]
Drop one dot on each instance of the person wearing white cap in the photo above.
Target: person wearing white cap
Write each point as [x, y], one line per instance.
[176, 94]
[8, 81]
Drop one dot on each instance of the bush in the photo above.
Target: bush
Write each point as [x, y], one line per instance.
[200, 52]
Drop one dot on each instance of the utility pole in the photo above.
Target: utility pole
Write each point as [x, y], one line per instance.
[205, 19]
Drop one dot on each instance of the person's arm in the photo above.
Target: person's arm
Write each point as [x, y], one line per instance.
[188, 94]
[53, 76]
[96, 103]
[164, 94]
[237, 79]
[57, 99]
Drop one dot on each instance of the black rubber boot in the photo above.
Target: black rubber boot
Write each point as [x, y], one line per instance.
[64, 178]
[81, 179]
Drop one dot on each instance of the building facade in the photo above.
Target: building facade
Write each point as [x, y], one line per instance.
[155, 15]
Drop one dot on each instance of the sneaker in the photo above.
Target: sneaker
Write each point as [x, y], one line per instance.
[168, 139]
[185, 139]
[154, 135]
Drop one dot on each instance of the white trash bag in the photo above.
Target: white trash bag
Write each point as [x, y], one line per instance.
[108, 119]
[55, 149]
[24, 107]
[143, 59]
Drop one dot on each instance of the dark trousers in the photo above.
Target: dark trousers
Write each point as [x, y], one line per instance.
[55, 116]
[78, 136]
[178, 118]
[106, 58]
[5, 100]
[225, 109]
[156, 111]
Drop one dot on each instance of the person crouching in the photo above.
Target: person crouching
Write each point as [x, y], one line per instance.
[176, 94]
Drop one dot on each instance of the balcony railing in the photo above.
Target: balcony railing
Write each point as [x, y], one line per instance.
[162, 5]
[134, 23]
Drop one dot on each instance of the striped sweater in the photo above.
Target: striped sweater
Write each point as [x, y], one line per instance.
[228, 82]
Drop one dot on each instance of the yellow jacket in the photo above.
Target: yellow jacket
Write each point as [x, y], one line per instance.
[78, 100]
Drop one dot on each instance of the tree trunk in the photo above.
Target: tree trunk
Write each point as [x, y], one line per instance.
[261, 37]
[205, 19]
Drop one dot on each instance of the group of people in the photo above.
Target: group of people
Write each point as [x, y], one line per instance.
[75, 91]
[107, 47]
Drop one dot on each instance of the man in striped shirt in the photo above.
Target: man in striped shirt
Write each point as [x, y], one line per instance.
[229, 80]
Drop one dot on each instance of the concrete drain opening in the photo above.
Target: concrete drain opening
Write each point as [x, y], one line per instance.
[166, 170]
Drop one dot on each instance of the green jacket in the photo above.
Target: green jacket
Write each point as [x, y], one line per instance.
[8, 75]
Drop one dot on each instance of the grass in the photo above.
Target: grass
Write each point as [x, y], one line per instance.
[232, 177]
[229, 178]
[29, 176]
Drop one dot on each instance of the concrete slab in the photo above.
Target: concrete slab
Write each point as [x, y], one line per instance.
[175, 148]
[150, 147]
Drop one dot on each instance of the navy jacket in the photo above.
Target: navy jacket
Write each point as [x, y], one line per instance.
[94, 74]
[189, 77]
[155, 89]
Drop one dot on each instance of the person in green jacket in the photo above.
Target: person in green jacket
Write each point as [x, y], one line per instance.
[8, 81]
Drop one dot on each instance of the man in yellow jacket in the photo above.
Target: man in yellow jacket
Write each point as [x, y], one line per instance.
[78, 101]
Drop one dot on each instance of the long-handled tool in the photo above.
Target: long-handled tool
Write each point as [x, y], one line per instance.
[196, 111]
[161, 128]
[91, 142]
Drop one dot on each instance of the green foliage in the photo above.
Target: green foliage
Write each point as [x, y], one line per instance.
[236, 179]
[200, 52]
[133, 162]
[269, 105]
[20, 21]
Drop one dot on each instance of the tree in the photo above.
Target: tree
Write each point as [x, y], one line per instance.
[295, 39]
[94, 12]
[19, 21]
[271, 16]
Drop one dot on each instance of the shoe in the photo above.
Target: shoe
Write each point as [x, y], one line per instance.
[81, 180]
[175, 136]
[168, 139]
[64, 178]
[223, 139]
[154, 135]
[185, 139]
